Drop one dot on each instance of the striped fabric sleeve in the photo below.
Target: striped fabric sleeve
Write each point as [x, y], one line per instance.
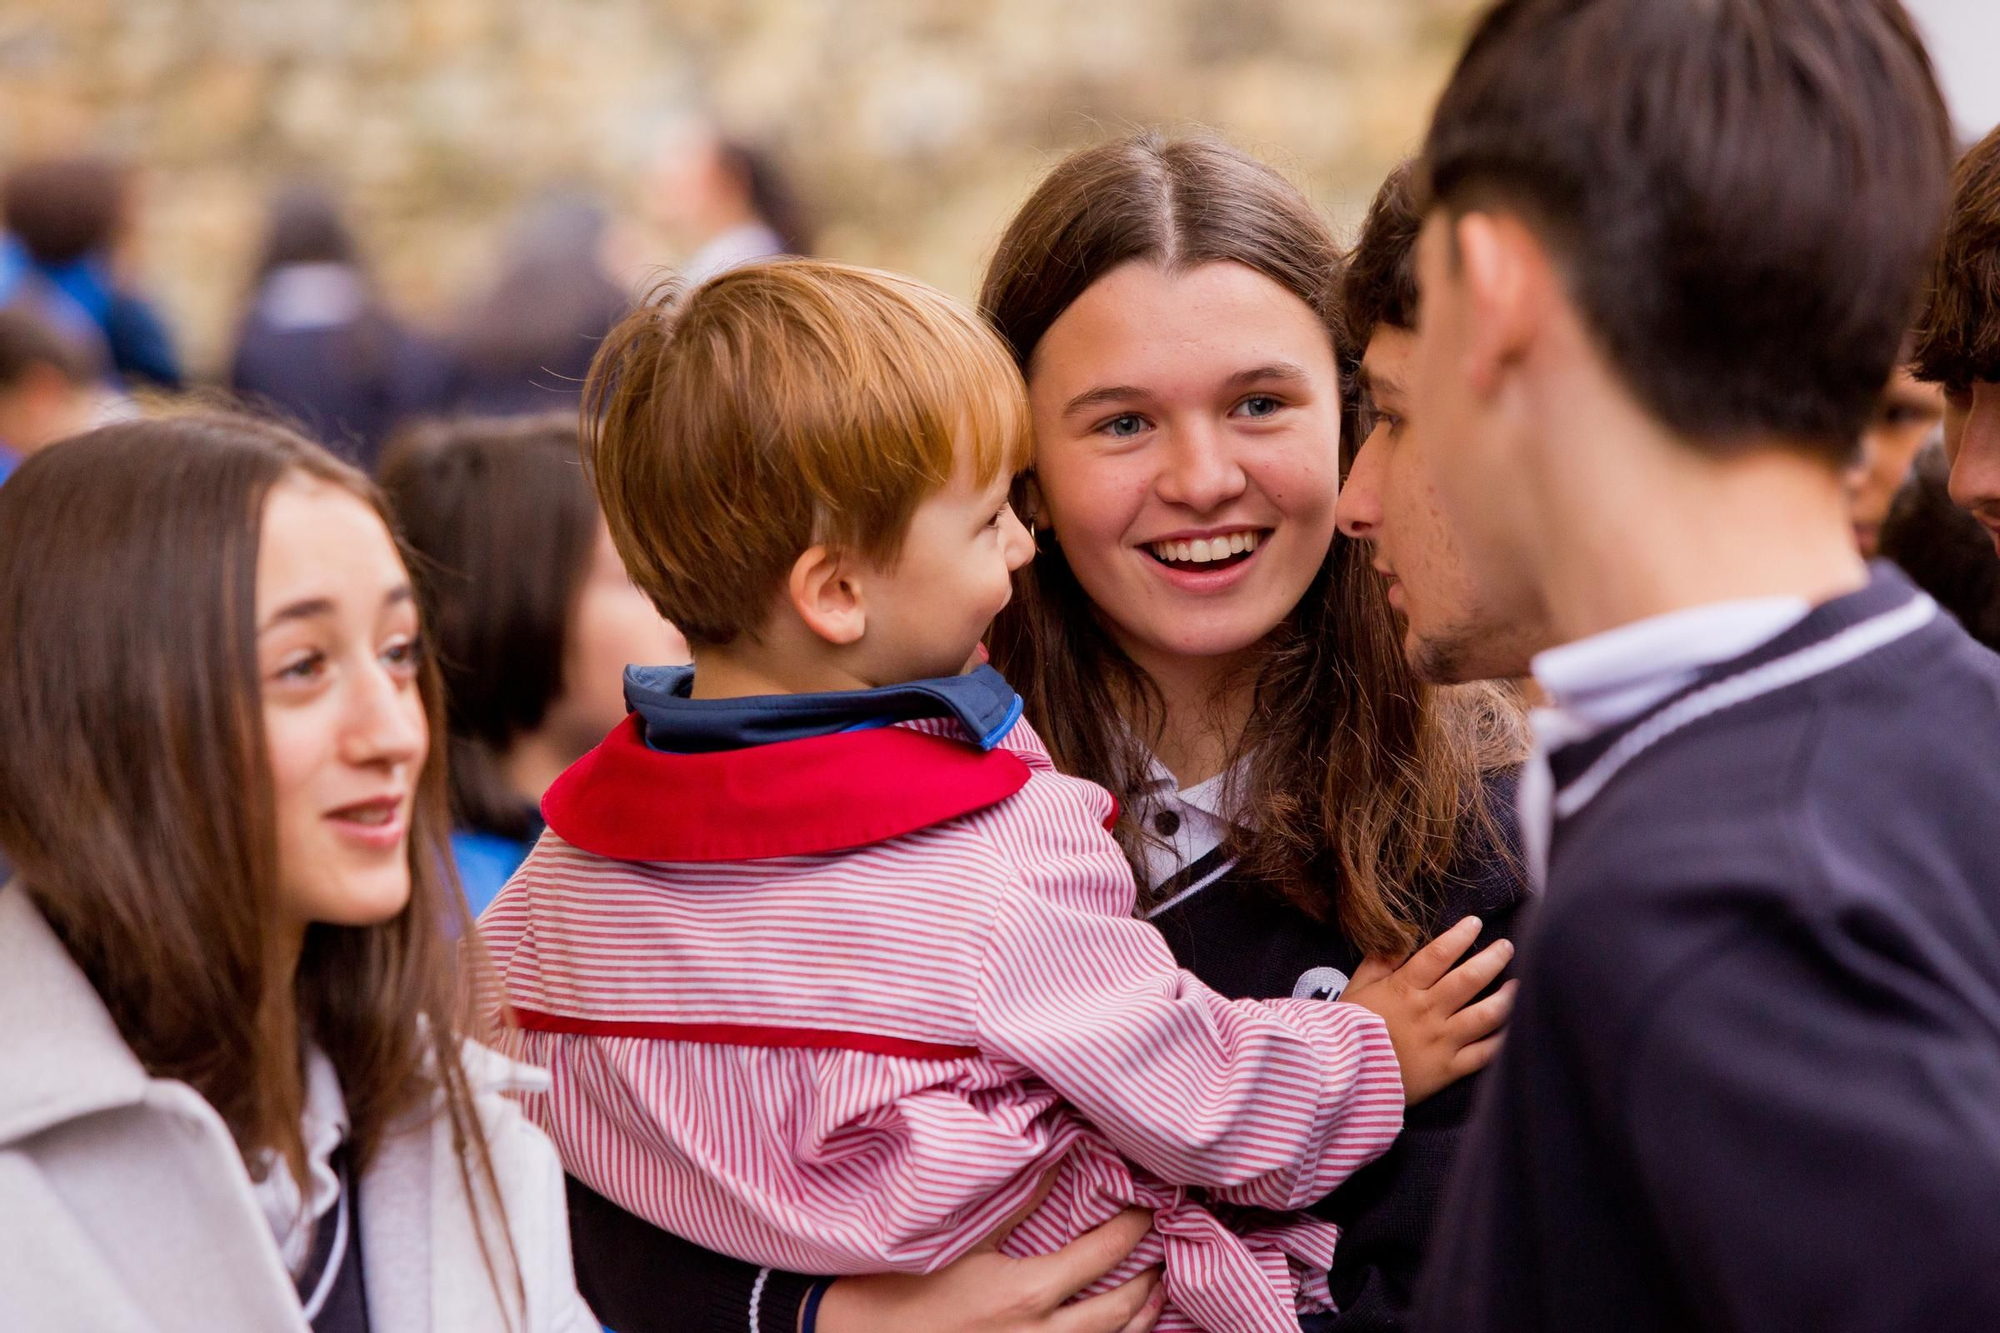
[1270, 1103]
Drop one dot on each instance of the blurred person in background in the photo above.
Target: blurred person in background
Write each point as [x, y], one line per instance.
[236, 1095]
[522, 346]
[533, 617]
[47, 391]
[723, 202]
[1943, 549]
[317, 344]
[1958, 335]
[69, 224]
[1906, 419]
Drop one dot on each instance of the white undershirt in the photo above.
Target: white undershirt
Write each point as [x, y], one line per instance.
[1184, 824]
[293, 1220]
[1596, 683]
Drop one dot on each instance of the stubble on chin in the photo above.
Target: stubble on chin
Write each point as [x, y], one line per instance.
[1444, 657]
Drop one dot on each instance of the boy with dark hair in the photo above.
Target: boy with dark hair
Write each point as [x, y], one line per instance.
[1958, 338]
[1449, 632]
[1943, 549]
[1754, 1077]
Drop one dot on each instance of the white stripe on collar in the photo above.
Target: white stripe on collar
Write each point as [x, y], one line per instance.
[1851, 644]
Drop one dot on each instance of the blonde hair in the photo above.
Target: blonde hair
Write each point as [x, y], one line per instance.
[784, 405]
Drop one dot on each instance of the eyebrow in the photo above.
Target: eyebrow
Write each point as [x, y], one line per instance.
[1110, 393]
[311, 608]
[1373, 384]
[1273, 370]
[1125, 393]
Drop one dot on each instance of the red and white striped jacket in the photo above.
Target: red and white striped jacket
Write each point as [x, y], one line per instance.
[836, 1005]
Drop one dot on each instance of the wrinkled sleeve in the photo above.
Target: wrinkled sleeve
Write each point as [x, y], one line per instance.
[1268, 1103]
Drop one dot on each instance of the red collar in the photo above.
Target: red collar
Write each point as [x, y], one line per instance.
[629, 802]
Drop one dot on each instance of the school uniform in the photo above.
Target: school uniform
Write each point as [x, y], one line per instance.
[1753, 1078]
[125, 1205]
[828, 982]
[1244, 939]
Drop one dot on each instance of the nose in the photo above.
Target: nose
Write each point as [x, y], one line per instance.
[384, 724]
[1975, 463]
[1200, 471]
[1016, 545]
[1358, 511]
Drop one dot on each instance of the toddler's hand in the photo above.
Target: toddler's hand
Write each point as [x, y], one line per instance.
[1440, 1036]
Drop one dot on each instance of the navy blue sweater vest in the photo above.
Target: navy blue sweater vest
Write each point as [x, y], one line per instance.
[1753, 1080]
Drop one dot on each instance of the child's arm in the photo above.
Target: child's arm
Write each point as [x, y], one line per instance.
[1277, 1101]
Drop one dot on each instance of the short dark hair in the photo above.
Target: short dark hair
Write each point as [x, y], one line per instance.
[1379, 286]
[27, 341]
[501, 522]
[62, 209]
[1958, 335]
[1742, 193]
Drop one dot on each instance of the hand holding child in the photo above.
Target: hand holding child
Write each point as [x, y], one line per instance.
[1439, 1034]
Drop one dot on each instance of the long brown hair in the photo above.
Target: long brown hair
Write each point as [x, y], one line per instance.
[1363, 782]
[136, 798]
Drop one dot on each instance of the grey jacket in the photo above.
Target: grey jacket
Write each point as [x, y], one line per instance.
[125, 1206]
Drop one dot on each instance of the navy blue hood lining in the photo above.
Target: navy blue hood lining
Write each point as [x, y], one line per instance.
[982, 702]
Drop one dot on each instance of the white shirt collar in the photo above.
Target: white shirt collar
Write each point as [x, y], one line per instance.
[1182, 825]
[1611, 677]
[291, 1216]
[1596, 683]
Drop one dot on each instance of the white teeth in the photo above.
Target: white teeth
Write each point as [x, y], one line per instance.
[1204, 550]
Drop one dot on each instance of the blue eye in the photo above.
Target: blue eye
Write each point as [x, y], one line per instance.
[1259, 405]
[1124, 426]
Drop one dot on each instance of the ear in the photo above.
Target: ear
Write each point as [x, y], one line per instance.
[1033, 510]
[1509, 281]
[825, 589]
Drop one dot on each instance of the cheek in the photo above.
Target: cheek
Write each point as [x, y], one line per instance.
[300, 749]
[1303, 481]
[1091, 502]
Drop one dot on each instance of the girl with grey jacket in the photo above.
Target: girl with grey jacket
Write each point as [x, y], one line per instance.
[233, 1093]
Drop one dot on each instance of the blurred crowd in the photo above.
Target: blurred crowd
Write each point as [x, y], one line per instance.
[319, 342]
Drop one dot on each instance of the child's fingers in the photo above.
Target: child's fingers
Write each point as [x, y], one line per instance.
[1478, 1020]
[1432, 961]
[1471, 1059]
[1472, 976]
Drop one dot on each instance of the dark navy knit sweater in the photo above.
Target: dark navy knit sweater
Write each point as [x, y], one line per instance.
[1244, 940]
[1753, 1080]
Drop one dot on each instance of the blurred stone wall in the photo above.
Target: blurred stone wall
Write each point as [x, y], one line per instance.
[911, 126]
